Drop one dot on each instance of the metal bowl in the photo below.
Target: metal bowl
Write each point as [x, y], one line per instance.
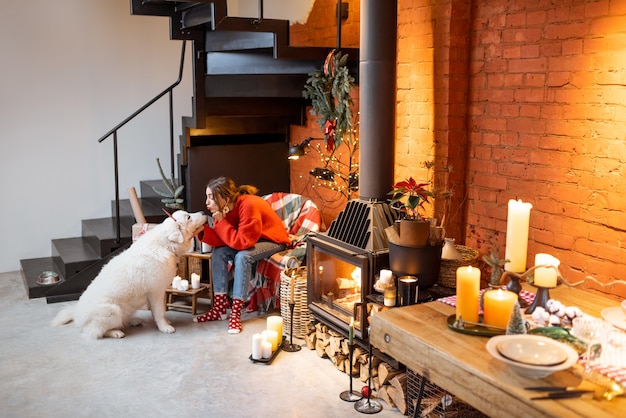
[47, 278]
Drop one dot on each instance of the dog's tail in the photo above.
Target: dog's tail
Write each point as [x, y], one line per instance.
[65, 316]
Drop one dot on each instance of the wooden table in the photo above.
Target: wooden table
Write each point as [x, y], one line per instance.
[418, 337]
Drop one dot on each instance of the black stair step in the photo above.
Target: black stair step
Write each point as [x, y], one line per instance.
[152, 211]
[71, 255]
[31, 269]
[101, 234]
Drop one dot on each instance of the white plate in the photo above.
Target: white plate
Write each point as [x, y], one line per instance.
[529, 370]
[615, 316]
[533, 351]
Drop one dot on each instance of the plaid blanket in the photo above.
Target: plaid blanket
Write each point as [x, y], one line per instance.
[300, 216]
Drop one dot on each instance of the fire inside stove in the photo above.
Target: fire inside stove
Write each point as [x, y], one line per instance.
[340, 278]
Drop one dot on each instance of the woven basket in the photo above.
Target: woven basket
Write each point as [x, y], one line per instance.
[447, 272]
[301, 314]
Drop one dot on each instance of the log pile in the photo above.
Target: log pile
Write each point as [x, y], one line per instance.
[388, 384]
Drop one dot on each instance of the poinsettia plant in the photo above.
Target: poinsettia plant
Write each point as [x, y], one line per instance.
[410, 196]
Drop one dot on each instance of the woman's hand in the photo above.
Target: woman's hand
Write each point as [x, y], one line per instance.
[217, 216]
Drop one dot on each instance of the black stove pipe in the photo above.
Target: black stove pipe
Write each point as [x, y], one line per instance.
[377, 105]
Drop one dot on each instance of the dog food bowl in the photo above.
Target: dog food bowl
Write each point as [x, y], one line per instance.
[47, 278]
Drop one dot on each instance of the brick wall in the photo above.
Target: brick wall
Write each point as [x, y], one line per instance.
[499, 100]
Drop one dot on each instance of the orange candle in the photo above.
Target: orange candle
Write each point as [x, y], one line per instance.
[498, 306]
[467, 289]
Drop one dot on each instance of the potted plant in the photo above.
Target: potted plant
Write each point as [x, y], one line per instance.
[412, 254]
[172, 198]
[409, 197]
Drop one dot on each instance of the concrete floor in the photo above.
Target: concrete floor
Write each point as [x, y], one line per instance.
[199, 371]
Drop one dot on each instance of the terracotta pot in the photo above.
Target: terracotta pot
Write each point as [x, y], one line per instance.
[414, 233]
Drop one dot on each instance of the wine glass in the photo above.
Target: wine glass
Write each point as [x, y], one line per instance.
[593, 331]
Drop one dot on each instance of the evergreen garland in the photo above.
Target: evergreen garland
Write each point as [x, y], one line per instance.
[329, 91]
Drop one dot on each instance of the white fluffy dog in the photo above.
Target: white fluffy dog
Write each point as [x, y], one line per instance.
[135, 278]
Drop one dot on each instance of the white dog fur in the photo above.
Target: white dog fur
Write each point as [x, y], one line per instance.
[134, 279]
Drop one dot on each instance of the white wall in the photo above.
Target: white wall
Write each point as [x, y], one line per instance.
[71, 70]
[296, 11]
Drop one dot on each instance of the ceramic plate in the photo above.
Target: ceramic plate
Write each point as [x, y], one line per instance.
[615, 316]
[529, 370]
[533, 351]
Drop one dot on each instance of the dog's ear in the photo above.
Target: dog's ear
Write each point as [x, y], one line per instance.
[176, 235]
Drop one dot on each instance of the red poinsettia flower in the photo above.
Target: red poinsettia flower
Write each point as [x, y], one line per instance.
[410, 196]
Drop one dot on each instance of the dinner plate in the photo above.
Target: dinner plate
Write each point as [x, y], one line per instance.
[615, 316]
[529, 370]
[533, 351]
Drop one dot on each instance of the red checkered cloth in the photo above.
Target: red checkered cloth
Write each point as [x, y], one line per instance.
[526, 295]
[300, 216]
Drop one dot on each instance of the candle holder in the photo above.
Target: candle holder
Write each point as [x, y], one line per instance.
[350, 395]
[514, 285]
[291, 347]
[367, 405]
[541, 298]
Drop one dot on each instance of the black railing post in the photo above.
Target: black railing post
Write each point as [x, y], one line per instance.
[172, 150]
[118, 236]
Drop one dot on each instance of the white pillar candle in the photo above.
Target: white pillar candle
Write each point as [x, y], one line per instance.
[257, 346]
[176, 282]
[184, 285]
[271, 336]
[545, 276]
[267, 349]
[517, 223]
[275, 323]
[385, 276]
[195, 281]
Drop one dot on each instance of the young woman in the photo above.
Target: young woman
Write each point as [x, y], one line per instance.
[245, 229]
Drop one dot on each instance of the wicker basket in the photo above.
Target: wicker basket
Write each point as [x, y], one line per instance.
[447, 272]
[301, 314]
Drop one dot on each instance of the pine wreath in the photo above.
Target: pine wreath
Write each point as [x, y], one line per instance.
[329, 91]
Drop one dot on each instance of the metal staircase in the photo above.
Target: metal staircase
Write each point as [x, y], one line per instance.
[248, 84]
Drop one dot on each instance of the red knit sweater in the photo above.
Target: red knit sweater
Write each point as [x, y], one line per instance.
[251, 219]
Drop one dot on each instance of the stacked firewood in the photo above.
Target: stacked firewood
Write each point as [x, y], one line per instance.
[388, 384]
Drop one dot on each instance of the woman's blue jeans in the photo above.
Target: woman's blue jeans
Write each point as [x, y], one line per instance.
[242, 263]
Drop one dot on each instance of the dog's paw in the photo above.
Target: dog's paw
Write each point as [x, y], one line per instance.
[167, 329]
[115, 333]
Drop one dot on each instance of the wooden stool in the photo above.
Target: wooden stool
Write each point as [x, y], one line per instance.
[188, 264]
[172, 295]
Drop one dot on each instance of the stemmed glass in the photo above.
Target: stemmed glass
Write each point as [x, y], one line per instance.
[593, 331]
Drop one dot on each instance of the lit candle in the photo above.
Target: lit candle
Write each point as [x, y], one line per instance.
[184, 285]
[271, 336]
[266, 348]
[257, 346]
[292, 288]
[176, 282]
[275, 323]
[517, 236]
[498, 306]
[389, 296]
[467, 289]
[351, 331]
[545, 276]
[195, 281]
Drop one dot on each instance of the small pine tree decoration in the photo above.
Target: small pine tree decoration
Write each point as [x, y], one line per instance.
[516, 321]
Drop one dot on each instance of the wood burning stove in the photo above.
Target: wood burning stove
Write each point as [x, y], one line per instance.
[340, 279]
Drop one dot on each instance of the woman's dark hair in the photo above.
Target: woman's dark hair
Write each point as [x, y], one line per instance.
[224, 189]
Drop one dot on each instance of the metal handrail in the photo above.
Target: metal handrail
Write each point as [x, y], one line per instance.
[114, 130]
